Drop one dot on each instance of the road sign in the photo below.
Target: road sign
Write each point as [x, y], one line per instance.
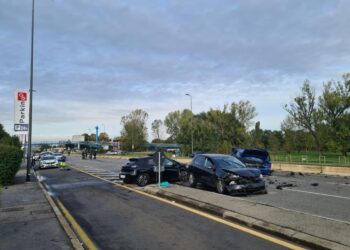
[21, 110]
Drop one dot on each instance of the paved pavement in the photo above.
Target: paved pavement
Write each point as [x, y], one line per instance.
[27, 220]
[116, 218]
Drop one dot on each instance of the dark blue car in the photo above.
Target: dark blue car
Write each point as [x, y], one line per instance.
[254, 158]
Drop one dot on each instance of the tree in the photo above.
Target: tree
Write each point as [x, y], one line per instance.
[172, 122]
[244, 112]
[103, 137]
[335, 105]
[44, 147]
[6, 139]
[257, 136]
[134, 132]
[304, 112]
[157, 129]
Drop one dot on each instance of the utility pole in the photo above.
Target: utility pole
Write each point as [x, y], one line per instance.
[191, 121]
[29, 152]
[96, 134]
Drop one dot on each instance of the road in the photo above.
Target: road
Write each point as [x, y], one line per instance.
[327, 198]
[116, 218]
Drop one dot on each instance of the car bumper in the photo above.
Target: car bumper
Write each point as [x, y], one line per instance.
[246, 188]
[49, 166]
[127, 175]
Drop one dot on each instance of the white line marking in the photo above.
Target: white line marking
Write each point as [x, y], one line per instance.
[314, 215]
[340, 184]
[321, 194]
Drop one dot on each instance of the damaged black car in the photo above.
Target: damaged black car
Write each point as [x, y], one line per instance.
[226, 174]
[141, 171]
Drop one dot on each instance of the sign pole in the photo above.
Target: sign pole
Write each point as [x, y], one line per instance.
[159, 169]
[29, 153]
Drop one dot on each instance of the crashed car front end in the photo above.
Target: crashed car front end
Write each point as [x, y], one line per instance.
[236, 184]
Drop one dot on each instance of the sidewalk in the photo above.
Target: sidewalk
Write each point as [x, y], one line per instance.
[27, 221]
[317, 232]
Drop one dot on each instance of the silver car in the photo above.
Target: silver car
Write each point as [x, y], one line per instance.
[48, 161]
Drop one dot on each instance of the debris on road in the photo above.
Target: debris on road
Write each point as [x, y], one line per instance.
[315, 184]
[284, 184]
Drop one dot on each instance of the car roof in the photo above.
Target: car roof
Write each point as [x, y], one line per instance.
[214, 155]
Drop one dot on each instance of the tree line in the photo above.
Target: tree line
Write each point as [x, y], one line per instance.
[313, 123]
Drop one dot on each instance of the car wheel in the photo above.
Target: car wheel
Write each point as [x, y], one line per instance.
[220, 187]
[142, 179]
[183, 176]
[192, 180]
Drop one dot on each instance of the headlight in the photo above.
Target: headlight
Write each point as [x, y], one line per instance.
[234, 177]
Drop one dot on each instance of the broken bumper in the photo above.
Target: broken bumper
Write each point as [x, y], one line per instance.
[246, 188]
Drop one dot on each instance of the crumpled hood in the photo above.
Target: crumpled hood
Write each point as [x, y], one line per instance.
[244, 172]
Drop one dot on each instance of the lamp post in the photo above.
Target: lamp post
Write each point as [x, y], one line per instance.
[191, 121]
[29, 151]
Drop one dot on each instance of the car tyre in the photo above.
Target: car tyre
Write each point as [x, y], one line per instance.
[142, 179]
[192, 180]
[183, 175]
[220, 186]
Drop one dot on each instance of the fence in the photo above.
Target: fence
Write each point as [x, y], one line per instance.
[304, 158]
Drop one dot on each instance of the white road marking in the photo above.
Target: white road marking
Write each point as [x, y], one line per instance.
[340, 184]
[321, 194]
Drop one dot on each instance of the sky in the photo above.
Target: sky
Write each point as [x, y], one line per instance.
[96, 61]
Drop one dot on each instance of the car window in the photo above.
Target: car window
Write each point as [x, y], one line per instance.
[168, 163]
[48, 158]
[208, 163]
[199, 160]
[228, 162]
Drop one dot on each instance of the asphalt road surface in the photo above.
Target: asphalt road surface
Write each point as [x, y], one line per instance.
[317, 195]
[116, 218]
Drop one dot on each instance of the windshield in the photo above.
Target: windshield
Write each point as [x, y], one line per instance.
[228, 162]
[48, 157]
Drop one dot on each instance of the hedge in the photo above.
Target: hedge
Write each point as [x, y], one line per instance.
[10, 162]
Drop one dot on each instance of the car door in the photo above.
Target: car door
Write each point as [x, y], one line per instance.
[171, 171]
[208, 174]
[197, 166]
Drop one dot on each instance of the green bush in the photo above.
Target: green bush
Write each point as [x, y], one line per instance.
[10, 162]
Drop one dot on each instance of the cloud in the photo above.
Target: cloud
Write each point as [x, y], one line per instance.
[96, 61]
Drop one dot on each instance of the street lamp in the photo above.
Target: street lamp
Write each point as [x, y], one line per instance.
[29, 152]
[191, 121]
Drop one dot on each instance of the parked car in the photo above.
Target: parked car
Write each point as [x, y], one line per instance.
[48, 161]
[141, 171]
[225, 173]
[254, 158]
[60, 157]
